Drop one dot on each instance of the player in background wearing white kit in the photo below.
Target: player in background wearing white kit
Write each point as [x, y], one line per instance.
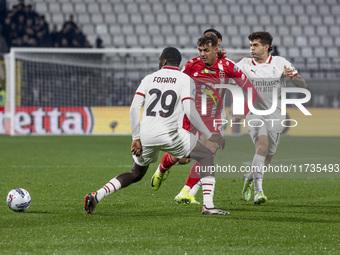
[266, 73]
[164, 95]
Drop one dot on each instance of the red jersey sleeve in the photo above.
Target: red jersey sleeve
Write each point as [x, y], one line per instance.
[188, 67]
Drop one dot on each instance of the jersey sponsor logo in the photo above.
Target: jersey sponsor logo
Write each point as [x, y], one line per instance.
[205, 70]
[49, 120]
[164, 80]
[274, 70]
[264, 83]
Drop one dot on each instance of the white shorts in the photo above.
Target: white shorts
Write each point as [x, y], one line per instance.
[178, 144]
[258, 125]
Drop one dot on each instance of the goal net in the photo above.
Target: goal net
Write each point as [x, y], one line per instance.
[77, 91]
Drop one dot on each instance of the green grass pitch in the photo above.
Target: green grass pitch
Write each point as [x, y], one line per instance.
[300, 217]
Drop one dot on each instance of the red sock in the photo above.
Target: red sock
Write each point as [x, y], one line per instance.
[194, 175]
[166, 163]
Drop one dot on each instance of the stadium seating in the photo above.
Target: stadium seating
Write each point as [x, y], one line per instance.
[304, 25]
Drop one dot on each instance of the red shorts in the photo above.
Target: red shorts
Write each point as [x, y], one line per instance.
[208, 121]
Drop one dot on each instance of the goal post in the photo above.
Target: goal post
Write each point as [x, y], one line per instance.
[70, 91]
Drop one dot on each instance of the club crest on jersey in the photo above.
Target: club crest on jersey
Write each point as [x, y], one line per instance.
[205, 70]
[274, 70]
[222, 74]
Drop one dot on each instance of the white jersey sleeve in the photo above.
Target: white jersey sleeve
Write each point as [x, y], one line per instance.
[137, 103]
[142, 88]
[188, 92]
[241, 64]
[164, 92]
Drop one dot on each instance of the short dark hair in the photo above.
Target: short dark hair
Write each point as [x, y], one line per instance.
[172, 56]
[264, 37]
[212, 30]
[207, 38]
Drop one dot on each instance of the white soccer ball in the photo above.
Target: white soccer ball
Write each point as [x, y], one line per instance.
[18, 200]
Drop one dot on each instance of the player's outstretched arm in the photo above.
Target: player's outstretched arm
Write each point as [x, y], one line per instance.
[295, 79]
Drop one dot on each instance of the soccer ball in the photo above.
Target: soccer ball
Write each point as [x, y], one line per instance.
[18, 200]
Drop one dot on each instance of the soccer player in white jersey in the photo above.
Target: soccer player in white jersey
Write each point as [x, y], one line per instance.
[266, 73]
[164, 95]
[207, 70]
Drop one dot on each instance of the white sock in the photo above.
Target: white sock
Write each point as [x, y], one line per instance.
[250, 176]
[187, 187]
[195, 189]
[257, 167]
[112, 186]
[208, 187]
